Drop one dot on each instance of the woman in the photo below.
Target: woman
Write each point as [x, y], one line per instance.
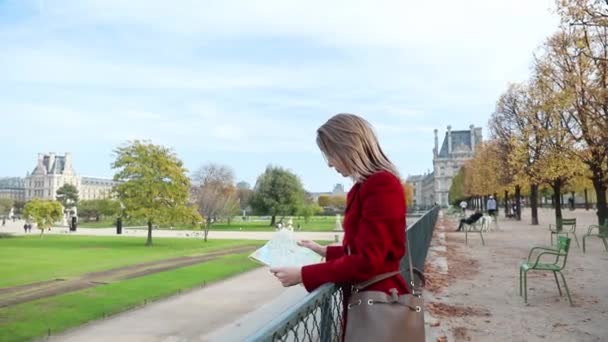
[374, 219]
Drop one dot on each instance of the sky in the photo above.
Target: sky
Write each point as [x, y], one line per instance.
[247, 83]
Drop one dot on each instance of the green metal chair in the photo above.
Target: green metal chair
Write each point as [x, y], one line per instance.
[476, 227]
[602, 233]
[561, 255]
[566, 227]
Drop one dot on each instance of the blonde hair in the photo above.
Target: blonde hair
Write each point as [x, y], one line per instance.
[351, 141]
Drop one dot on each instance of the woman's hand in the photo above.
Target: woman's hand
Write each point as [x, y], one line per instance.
[288, 276]
[313, 246]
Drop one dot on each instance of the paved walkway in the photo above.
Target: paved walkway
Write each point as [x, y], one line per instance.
[17, 228]
[478, 299]
[225, 311]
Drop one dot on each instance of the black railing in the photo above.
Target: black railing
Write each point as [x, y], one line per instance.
[318, 316]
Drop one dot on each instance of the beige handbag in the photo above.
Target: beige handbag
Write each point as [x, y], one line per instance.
[379, 317]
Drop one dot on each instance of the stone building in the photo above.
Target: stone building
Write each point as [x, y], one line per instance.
[456, 149]
[51, 173]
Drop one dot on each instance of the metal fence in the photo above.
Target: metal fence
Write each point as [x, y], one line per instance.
[318, 316]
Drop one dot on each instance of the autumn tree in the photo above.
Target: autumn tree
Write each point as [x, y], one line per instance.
[45, 213]
[577, 64]
[153, 185]
[408, 190]
[216, 195]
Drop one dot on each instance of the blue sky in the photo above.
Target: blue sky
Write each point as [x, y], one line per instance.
[247, 83]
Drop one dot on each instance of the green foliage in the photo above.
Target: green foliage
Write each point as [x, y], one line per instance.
[98, 208]
[277, 192]
[67, 195]
[44, 213]
[5, 206]
[19, 205]
[154, 185]
[309, 209]
[456, 193]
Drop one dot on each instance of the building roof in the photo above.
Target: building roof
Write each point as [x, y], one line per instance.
[57, 166]
[12, 183]
[461, 142]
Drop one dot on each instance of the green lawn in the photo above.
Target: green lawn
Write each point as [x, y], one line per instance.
[29, 320]
[31, 259]
[316, 223]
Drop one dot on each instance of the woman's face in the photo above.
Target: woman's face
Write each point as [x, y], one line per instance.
[335, 163]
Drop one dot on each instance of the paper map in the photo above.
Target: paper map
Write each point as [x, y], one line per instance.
[283, 250]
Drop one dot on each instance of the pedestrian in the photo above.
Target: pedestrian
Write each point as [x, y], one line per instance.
[374, 235]
[491, 205]
[3, 221]
[25, 227]
[463, 206]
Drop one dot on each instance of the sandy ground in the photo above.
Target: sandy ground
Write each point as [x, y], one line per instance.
[478, 299]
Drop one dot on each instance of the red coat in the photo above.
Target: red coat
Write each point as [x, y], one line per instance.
[374, 229]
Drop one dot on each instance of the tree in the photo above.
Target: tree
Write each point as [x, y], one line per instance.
[98, 208]
[324, 201]
[576, 62]
[5, 206]
[309, 209]
[456, 193]
[277, 192]
[154, 186]
[67, 195]
[18, 205]
[408, 190]
[216, 194]
[244, 198]
[44, 213]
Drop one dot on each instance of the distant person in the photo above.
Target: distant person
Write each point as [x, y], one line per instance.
[463, 206]
[571, 202]
[469, 220]
[3, 221]
[491, 205]
[25, 228]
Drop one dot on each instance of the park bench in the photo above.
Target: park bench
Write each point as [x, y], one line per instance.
[560, 252]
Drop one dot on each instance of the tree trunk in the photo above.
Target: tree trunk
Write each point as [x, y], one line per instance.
[557, 194]
[586, 200]
[534, 203]
[273, 220]
[506, 202]
[600, 191]
[207, 226]
[149, 241]
[518, 202]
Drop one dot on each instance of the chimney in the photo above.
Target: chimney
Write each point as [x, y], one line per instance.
[449, 140]
[67, 165]
[472, 127]
[51, 162]
[436, 150]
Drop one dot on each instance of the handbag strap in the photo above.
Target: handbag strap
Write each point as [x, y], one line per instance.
[379, 277]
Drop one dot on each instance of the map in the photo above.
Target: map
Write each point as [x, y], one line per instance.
[283, 250]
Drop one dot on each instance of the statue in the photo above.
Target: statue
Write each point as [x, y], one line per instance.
[338, 227]
[290, 224]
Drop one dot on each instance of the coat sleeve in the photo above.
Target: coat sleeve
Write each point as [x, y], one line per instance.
[382, 203]
[334, 252]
